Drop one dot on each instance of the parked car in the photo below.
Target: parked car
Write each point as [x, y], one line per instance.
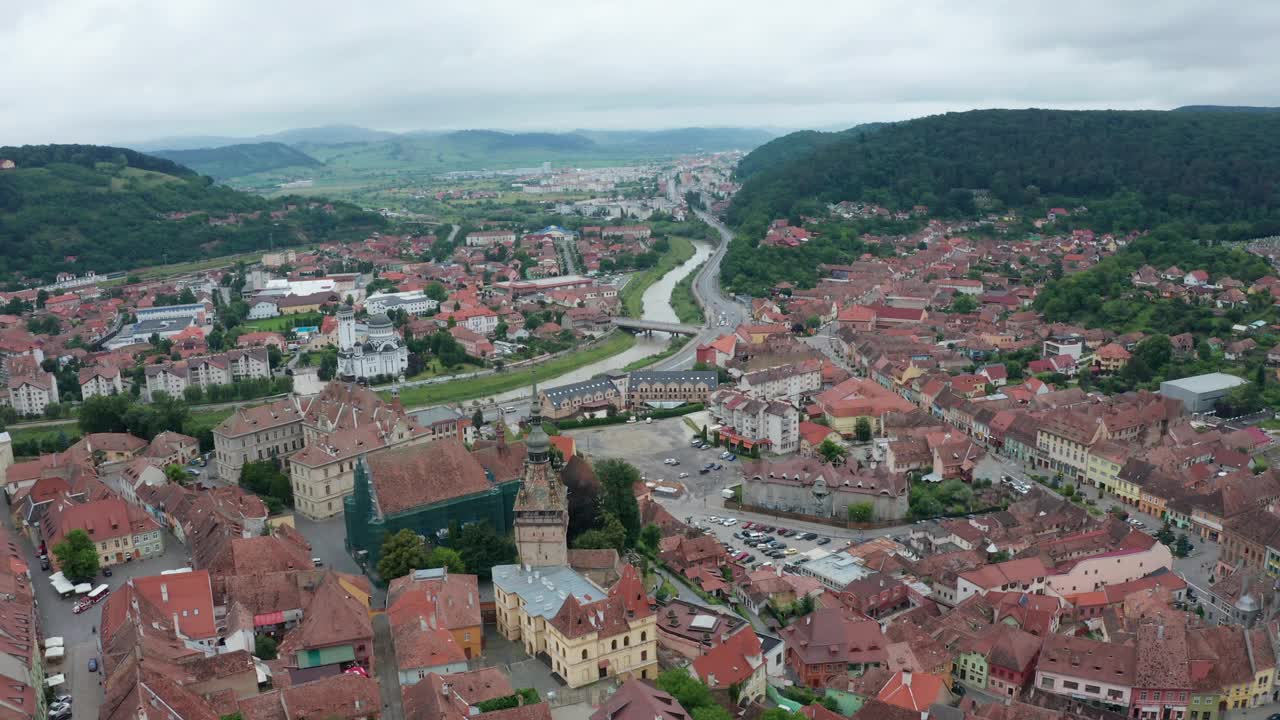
[106, 572]
[791, 551]
[730, 522]
[741, 556]
[93, 664]
[44, 564]
[731, 457]
[824, 540]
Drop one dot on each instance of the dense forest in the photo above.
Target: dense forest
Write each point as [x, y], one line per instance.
[234, 160]
[1132, 169]
[81, 207]
[794, 146]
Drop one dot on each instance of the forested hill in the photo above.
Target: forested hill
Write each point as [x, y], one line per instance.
[794, 146]
[1227, 108]
[1133, 169]
[234, 160]
[82, 207]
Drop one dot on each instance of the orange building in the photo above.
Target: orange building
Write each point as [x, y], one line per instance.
[456, 601]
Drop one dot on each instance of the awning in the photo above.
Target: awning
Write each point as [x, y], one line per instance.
[271, 618]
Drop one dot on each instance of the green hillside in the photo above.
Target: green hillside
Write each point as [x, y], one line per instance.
[794, 146]
[1212, 172]
[235, 160]
[1133, 169]
[81, 207]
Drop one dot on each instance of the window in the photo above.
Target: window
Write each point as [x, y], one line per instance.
[626, 641]
[1070, 685]
[615, 644]
[584, 654]
[1046, 682]
[644, 655]
[1092, 689]
[642, 636]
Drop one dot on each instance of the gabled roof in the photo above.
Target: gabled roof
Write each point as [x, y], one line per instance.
[332, 617]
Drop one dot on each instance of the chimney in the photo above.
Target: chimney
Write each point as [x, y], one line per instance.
[164, 592]
[445, 688]
[422, 623]
[778, 568]
[1160, 632]
[906, 678]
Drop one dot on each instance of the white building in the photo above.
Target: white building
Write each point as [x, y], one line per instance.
[203, 372]
[31, 394]
[785, 382]
[382, 353]
[174, 312]
[263, 308]
[485, 238]
[142, 331]
[747, 422]
[100, 380]
[414, 303]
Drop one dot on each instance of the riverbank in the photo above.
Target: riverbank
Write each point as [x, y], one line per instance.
[633, 293]
[685, 303]
[507, 380]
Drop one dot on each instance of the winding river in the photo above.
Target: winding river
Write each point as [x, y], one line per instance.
[657, 306]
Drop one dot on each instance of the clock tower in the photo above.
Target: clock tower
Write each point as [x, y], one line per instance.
[541, 509]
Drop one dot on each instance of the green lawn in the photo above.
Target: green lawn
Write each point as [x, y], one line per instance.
[509, 380]
[683, 301]
[71, 429]
[435, 369]
[285, 322]
[633, 292]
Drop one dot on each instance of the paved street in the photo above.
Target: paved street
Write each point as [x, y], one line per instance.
[79, 632]
[328, 542]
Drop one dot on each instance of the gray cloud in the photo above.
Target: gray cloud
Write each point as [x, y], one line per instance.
[114, 70]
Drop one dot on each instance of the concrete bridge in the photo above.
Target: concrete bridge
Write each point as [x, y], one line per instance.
[635, 325]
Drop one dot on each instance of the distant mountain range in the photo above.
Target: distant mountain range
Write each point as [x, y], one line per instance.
[323, 135]
[236, 160]
[343, 151]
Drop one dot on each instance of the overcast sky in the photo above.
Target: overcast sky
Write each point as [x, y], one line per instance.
[121, 70]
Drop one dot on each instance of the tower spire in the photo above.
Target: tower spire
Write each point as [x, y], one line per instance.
[538, 444]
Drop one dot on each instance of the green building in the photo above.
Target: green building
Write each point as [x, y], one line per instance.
[424, 488]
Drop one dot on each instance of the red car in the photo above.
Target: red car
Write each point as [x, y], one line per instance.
[741, 556]
[748, 525]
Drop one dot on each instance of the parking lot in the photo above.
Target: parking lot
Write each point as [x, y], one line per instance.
[646, 445]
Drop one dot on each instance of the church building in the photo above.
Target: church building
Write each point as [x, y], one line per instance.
[383, 351]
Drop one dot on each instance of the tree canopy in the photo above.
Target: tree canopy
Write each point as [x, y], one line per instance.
[618, 479]
[1140, 168]
[481, 547]
[77, 556]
